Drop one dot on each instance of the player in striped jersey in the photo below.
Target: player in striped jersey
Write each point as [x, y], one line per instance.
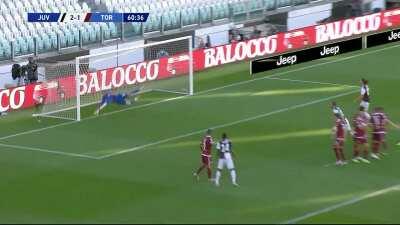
[225, 155]
[337, 111]
[364, 97]
[205, 147]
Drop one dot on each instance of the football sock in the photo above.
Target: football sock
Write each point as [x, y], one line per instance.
[366, 153]
[355, 152]
[342, 155]
[217, 176]
[209, 173]
[337, 154]
[200, 169]
[233, 176]
[375, 147]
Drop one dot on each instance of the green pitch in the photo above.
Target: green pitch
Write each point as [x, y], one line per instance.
[135, 165]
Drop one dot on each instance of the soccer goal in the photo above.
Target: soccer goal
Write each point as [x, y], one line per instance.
[165, 67]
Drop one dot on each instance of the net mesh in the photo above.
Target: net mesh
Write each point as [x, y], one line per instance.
[161, 67]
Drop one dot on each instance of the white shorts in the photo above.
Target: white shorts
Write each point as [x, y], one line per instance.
[348, 126]
[365, 105]
[227, 161]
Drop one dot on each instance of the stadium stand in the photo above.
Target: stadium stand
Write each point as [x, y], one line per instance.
[16, 29]
[18, 37]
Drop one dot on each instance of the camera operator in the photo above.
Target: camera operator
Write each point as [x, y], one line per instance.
[32, 70]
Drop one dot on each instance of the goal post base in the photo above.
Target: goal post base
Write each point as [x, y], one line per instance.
[165, 66]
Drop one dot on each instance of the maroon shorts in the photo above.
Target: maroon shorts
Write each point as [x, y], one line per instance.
[339, 142]
[206, 160]
[378, 137]
[360, 140]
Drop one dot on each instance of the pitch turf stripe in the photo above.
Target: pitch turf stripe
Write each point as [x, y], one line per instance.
[201, 92]
[36, 130]
[313, 82]
[47, 151]
[264, 115]
[343, 204]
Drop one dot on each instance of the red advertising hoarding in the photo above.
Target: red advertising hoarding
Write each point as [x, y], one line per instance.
[23, 97]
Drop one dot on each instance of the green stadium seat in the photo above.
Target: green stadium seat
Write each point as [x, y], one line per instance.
[106, 31]
[284, 3]
[225, 10]
[175, 19]
[269, 4]
[157, 22]
[185, 18]
[7, 49]
[256, 5]
[53, 39]
[205, 14]
[63, 40]
[17, 47]
[96, 28]
[193, 15]
[75, 33]
[300, 2]
[239, 7]
[113, 29]
[85, 35]
[30, 43]
[136, 28]
[40, 44]
[70, 39]
[23, 45]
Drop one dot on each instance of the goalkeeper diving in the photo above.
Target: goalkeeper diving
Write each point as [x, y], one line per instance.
[119, 99]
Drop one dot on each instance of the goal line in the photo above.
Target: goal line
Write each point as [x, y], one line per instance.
[165, 66]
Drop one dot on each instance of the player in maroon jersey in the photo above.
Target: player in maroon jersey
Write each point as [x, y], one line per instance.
[379, 121]
[206, 147]
[360, 122]
[339, 138]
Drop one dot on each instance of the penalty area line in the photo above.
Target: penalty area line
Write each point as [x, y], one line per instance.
[47, 151]
[206, 91]
[343, 204]
[226, 124]
[311, 82]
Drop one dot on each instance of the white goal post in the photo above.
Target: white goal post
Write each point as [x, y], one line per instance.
[165, 66]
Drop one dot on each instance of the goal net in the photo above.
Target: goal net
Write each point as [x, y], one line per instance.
[165, 67]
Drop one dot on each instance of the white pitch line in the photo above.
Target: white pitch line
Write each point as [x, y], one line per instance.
[202, 92]
[37, 130]
[48, 151]
[226, 125]
[345, 58]
[343, 204]
[312, 82]
[88, 118]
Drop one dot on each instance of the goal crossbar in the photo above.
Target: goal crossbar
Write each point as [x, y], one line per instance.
[175, 75]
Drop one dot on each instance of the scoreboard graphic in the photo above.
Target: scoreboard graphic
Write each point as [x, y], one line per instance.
[89, 17]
